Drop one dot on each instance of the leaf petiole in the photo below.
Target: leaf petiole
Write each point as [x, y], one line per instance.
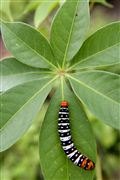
[62, 87]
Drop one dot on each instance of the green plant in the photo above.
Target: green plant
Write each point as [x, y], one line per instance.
[71, 61]
[19, 10]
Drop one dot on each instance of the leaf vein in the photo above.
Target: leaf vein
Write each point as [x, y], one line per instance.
[27, 102]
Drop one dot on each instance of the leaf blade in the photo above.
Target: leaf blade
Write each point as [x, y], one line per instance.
[51, 151]
[35, 52]
[14, 73]
[70, 18]
[100, 49]
[17, 117]
[43, 11]
[99, 92]
[5, 10]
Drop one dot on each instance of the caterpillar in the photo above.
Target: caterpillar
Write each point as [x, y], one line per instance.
[66, 140]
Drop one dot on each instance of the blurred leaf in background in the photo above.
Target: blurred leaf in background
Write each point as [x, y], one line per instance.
[43, 11]
[108, 143]
[102, 15]
[103, 2]
[18, 10]
[5, 11]
[32, 5]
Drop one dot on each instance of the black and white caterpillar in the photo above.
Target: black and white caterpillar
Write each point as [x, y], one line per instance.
[66, 140]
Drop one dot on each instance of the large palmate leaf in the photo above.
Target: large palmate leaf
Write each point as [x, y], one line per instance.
[19, 106]
[99, 91]
[100, 49]
[27, 45]
[14, 73]
[69, 29]
[55, 164]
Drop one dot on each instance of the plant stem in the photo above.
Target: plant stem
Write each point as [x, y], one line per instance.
[62, 88]
[92, 2]
[98, 169]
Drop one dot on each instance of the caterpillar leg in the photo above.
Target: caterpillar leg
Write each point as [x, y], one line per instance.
[66, 140]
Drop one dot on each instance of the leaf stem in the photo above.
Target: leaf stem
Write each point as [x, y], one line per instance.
[92, 5]
[98, 169]
[62, 88]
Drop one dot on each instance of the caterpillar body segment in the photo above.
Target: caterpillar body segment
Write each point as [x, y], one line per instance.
[66, 140]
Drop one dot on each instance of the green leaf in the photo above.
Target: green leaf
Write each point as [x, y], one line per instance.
[100, 49]
[17, 9]
[69, 29]
[104, 2]
[114, 69]
[43, 11]
[27, 45]
[32, 5]
[55, 164]
[14, 73]
[99, 91]
[19, 107]
[5, 11]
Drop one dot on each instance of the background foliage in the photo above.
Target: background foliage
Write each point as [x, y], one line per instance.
[23, 156]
